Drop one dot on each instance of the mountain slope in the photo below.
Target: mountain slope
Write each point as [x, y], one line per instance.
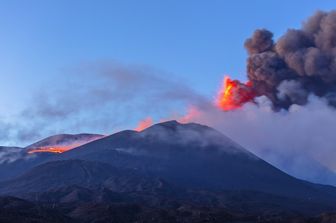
[9, 154]
[195, 156]
[169, 164]
[78, 181]
[17, 210]
[14, 161]
[58, 174]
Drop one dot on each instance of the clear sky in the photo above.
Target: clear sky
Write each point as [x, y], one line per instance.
[198, 41]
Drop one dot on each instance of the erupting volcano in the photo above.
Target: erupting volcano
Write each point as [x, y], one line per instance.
[234, 94]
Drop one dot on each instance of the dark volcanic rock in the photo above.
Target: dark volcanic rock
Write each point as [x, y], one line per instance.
[170, 172]
[17, 210]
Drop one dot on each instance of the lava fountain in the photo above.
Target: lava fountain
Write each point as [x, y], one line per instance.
[233, 94]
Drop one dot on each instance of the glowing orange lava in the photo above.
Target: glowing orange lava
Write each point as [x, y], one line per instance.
[143, 124]
[52, 149]
[57, 144]
[234, 94]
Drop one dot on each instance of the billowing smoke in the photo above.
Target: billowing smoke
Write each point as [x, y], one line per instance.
[286, 112]
[299, 140]
[301, 62]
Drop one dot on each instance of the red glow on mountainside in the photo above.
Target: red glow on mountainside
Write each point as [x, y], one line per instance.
[191, 114]
[143, 124]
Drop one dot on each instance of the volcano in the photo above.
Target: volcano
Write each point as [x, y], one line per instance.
[168, 166]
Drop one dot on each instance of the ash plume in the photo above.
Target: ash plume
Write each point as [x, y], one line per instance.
[301, 62]
[289, 119]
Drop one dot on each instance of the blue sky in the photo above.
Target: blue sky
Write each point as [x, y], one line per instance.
[197, 41]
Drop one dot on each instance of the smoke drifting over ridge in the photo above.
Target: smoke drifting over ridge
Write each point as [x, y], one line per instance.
[99, 97]
[299, 140]
[301, 62]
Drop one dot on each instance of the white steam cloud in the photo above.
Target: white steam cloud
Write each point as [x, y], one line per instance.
[300, 141]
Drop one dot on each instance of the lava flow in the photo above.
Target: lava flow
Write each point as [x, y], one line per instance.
[234, 94]
[52, 149]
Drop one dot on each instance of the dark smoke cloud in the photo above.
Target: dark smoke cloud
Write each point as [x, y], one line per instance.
[262, 41]
[296, 77]
[301, 62]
